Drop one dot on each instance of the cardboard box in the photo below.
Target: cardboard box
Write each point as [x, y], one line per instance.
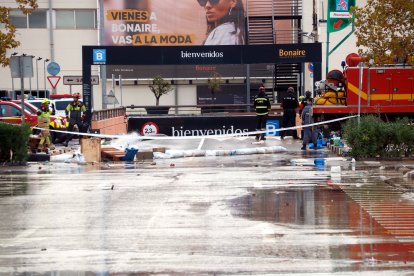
[160, 149]
[91, 149]
[144, 155]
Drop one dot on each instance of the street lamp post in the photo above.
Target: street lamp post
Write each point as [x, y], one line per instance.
[44, 73]
[13, 93]
[30, 78]
[37, 76]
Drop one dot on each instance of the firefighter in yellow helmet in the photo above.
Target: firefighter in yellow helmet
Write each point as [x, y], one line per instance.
[43, 121]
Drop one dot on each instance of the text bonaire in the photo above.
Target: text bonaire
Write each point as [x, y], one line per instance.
[292, 53]
[139, 27]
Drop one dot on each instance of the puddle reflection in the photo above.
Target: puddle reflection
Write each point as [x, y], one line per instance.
[317, 208]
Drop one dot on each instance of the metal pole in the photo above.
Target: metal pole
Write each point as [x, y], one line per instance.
[44, 72]
[37, 76]
[359, 91]
[12, 86]
[248, 87]
[13, 92]
[248, 65]
[101, 42]
[30, 86]
[30, 78]
[21, 87]
[51, 38]
[120, 86]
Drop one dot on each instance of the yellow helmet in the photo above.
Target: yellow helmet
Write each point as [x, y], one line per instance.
[45, 101]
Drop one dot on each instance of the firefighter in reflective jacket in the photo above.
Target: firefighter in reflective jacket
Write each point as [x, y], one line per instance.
[74, 112]
[262, 107]
[43, 121]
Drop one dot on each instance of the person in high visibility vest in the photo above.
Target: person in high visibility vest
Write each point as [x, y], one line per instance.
[74, 111]
[262, 107]
[43, 121]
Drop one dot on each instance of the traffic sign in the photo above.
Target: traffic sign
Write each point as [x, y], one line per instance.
[53, 80]
[111, 98]
[149, 128]
[77, 80]
[53, 68]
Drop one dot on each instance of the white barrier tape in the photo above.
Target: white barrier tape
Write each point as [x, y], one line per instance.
[82, 134]
[203, 136]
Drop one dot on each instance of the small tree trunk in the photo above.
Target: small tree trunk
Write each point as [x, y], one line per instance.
[157, 101]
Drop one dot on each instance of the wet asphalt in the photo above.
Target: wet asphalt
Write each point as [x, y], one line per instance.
[256, 214]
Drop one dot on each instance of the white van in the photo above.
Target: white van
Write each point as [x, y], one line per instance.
[61, 104]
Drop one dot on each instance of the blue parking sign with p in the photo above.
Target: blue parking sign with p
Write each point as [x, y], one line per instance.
[99, 56]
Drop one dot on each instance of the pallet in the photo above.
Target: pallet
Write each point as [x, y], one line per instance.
[112, 153]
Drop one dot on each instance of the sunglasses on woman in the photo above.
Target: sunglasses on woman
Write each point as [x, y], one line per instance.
[204, 2]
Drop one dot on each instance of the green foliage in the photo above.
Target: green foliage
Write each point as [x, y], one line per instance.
[160, 87]
[376, 138]
[14, 139]
[8, 31]
[214, 83]
[385, 28]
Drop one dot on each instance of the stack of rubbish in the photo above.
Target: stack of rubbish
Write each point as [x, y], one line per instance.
[197, 153]
[335, 140]
[320, 142]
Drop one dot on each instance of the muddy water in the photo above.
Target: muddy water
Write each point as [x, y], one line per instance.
[221, 215]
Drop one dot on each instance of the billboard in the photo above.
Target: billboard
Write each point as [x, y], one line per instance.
[174, 23]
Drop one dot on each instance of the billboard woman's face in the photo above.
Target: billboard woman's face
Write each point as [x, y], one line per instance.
[216, 9]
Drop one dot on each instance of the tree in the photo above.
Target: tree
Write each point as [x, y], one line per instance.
[8, 31]
[214, 84]
[385, 28]
[160, 87]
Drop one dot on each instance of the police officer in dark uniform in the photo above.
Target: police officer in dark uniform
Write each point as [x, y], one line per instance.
[290, 105]
[262, 107]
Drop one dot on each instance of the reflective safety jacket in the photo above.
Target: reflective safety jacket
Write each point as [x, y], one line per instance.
[75, 109]
[261, 104]
[43, 118]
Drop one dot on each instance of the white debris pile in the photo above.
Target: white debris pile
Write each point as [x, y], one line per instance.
[71, 157]
[129, 140]
[197, 153]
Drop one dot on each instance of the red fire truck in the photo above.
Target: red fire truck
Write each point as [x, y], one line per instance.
[387, 91]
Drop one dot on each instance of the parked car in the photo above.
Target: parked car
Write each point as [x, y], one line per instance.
[56, 122]
[59, 103]
[11, 113]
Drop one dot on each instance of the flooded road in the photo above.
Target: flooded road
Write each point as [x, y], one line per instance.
[256, 214]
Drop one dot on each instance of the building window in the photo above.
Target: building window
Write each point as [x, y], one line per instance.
[65, 20]
[18, 19]
[37, 19]
[75, 19]
[85, 19]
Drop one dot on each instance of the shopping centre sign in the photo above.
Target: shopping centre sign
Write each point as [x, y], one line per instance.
[193, 55]
[339, 16]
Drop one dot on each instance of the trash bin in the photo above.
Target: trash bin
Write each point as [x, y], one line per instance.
[319, 163]
[129, 154]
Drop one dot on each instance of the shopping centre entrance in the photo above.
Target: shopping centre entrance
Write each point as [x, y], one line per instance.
[196, 55]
